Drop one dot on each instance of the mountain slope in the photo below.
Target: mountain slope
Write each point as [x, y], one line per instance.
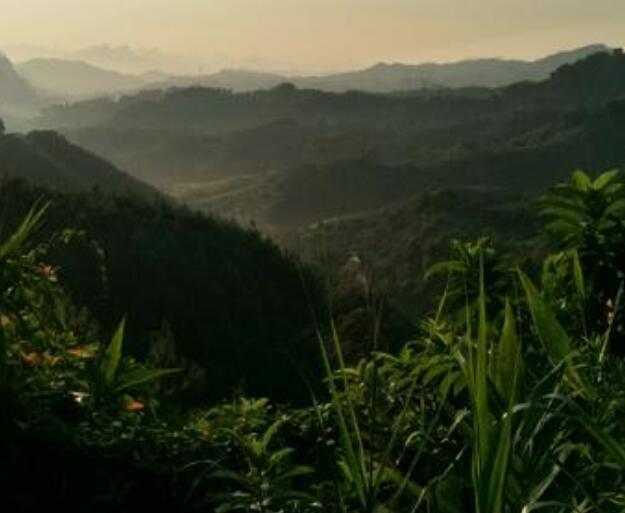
[224, 303]
[387, 78]
[18, 98]
[49, 159]
[75, 79]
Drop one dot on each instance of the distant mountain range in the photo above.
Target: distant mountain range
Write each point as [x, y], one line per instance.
[101, 71]
[323, 154]
[77, 79]
[388, 78]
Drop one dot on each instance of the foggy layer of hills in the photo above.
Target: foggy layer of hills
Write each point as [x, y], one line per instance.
[391, 77]
[330, 173]
[67, 79]
[27, 86]
[388, 141]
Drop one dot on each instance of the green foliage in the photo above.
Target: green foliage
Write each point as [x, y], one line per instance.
[267, 483]
[513, 406]
[112, 379]
[244, 330]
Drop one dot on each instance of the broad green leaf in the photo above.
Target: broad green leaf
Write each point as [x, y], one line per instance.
[553, 337]
[140, 376]
[581, 181]
[605, 179]
[17, 239]
[112, 356]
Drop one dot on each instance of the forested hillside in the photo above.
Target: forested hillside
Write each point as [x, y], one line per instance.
[47, 158]
[327, 173]
[204, 294]
[510, 393]
[184, 281]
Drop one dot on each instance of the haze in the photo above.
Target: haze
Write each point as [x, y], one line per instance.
[308, 36]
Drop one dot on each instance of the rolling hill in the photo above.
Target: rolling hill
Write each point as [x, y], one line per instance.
[69, 79]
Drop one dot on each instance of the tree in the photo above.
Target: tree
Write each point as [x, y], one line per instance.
[2, 127]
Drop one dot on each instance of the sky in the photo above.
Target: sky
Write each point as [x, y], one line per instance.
[308, 36]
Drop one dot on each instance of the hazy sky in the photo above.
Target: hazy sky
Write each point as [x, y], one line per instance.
[314, 35]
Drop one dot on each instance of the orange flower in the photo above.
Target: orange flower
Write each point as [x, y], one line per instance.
[133, 405]
[31, 358]
[50, 360]
[83, 352]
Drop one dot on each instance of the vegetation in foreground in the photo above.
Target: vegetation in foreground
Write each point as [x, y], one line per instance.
[508, 400]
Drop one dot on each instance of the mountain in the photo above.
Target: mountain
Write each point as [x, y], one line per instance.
[68, 79]
[18, 99]
[384, 78]
[387, 78]
[130, 60]
[71, 79]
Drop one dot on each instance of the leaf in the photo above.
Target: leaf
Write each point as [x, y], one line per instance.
[270, 433]
[352, 465]
[581, 181]
[297, 471]
[574, 217]
[277, 457]
[112, 356]
[605, 179]
[552, 335]
[616, 208]
[508, 363]
[230, 475]
[451, 266]
[24, 231]
[578, 275]
[141, 376]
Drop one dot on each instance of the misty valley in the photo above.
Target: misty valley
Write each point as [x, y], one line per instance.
[395, 289]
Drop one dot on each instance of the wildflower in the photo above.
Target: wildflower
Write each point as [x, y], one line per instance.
[48, 359]
[134, 405]
[31, 358]
[83, 352]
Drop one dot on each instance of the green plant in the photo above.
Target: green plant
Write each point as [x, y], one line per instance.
[267, 483]
[114, 377]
